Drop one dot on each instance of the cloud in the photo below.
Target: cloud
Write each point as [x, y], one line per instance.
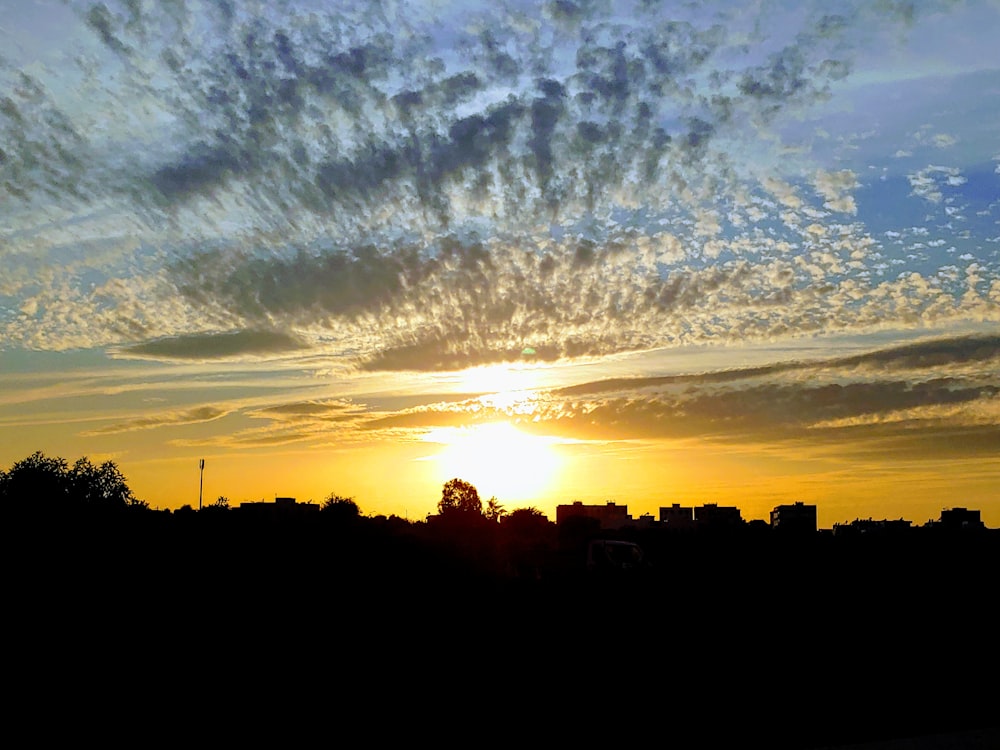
[942, 386]
[163, 419]
[834, 187]
[932, 354]
[334, 111]
[307, 410]
[927, 183]
[457, 304]
[910, 396]
[211, 346]
[402, 188]
[314, 422]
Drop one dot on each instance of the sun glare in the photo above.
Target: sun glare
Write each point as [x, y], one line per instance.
[498, 459]
[497, 379]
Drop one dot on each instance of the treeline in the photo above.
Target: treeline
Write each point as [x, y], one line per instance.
[43, 485]
[67, 505]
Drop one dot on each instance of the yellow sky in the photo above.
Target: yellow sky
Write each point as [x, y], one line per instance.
[867, 430]
[405, 478]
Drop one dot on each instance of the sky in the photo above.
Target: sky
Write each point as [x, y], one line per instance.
[645, 253]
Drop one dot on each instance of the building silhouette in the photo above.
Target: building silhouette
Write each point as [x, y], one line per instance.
[677, 517]
[610, 516]
[960, 518]
[715, 516]
[796, 518]
[871, 527]
[282, 506]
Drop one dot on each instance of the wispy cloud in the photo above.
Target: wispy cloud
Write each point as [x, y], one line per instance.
[162, 419]
[919, 395]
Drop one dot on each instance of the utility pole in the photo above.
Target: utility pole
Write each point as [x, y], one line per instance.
[201, 480]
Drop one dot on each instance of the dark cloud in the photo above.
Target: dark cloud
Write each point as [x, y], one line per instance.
[201, 169]
[216, 345]
[905, 401]
[639, 383]
[793, 407]
[342, 283]
[43, 150]
[831, 25]
[565, 10]
[99, 18]
[934, 354]
[782, 78]
[253, 95]
[458, 352]
[460, 303]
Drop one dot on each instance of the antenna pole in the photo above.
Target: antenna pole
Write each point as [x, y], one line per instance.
[201, 480]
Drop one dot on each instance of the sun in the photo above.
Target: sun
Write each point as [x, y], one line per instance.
[498, 459]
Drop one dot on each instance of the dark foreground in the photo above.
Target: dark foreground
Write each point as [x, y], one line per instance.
[719, 643]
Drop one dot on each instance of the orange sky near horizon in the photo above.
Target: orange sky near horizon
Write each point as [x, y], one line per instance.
[405, 483]
[404, 478]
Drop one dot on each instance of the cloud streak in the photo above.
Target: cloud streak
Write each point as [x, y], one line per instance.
[163, 419]
[917, 396]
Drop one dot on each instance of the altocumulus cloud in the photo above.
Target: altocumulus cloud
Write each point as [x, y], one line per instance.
[426, 187]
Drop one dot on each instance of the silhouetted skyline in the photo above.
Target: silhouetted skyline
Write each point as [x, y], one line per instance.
[727, 633]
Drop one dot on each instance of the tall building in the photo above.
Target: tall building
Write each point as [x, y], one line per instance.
[711, 515]
[610, 516]
[677, 517]
[797, 517]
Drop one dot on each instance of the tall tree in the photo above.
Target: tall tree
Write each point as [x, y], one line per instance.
[458, 496]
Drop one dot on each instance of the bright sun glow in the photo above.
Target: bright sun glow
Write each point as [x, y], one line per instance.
[498, 379]
[498, 459]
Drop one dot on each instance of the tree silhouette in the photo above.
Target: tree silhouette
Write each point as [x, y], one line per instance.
[338, 506]
[527, 526]
[100, 487]
[39, 483]
[526, 519]
[494, 510]
[458, 496]
[221, 503]
[36, 483]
